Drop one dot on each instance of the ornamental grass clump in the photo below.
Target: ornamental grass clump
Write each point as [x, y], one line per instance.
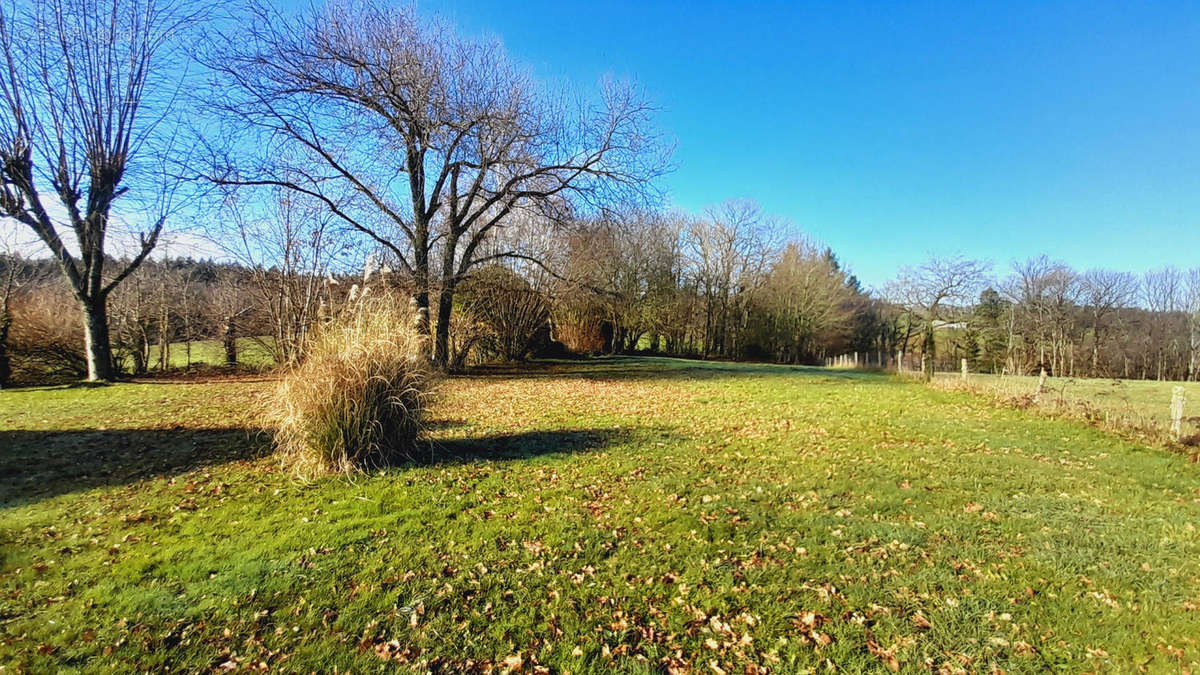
[355, 400]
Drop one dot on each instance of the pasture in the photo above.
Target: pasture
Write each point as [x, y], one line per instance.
[641, 515]
[1138, 406]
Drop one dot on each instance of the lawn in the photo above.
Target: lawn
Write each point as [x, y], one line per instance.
[639, 515]
[1136, 404]
[252, 352]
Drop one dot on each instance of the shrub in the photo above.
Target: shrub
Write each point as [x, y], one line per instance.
[514, 316]
[46, 338]
[356, 398]
[579, 324]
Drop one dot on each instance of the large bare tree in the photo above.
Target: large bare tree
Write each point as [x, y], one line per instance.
[421, 140]
[933, 290]
[86, 87]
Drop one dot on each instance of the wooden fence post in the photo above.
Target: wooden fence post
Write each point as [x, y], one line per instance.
[964, 370]
[1177, 402]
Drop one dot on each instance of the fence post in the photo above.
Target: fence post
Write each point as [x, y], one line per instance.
[1037, 396]
[964, 370]
[1177, 402]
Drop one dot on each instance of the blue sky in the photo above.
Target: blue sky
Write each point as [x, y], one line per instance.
[893, 130]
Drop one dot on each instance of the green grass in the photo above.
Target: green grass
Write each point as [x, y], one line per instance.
[252, 353]
[623, 514]
[1138, 404]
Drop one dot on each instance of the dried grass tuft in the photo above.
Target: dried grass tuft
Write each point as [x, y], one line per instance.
[356, 399]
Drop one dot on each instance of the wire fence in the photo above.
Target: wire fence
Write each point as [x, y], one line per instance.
[1159, 412]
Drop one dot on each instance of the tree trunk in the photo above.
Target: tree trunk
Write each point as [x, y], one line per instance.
[441, 348]
[421, 271]
[928, 353]
[95, 332]
[230, 342]
[421, 304]
[5, 359]
[141, 357]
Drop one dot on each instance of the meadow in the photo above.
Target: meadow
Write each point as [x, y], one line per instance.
[253, 352]
[1141, 408]
[630, 514]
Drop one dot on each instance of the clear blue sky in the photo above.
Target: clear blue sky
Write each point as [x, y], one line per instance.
[890, 130]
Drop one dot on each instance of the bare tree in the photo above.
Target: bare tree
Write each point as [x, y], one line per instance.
[627, 270]
[420, 140]
[230, 303]
[1163, 292]
[86, 86]
[729, 250]
[1193, 310]
[290, 250]
[133, 315]
[1104, 293]
[806, 301]
[1045, 292]
[931, 290]
[14, 273]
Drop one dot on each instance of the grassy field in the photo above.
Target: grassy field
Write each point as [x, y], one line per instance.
[641, 515]
[1137, 404]
[252, 353]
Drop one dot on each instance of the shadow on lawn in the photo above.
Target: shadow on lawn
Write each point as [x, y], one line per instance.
[36, 465]
[524, 444]
[659, 368]
[39, 464]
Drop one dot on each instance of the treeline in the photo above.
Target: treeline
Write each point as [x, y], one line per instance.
[1042, 314]
[723, 285]
[728, 284]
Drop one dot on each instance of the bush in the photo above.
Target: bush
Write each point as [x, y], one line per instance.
[46, 338]
[514, 316]
[356, 399]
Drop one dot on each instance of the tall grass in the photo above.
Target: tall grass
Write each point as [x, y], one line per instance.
[355, 400]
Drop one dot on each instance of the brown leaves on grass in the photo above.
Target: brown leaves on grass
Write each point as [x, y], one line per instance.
[809, 623]
[887, 656]
[394, 651]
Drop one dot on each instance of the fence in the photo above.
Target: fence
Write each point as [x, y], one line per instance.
[861, 360]
[1156, 409]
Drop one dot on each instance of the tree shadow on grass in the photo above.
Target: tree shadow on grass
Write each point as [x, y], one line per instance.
[37, 465]
[661, 368]
[523, 445]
